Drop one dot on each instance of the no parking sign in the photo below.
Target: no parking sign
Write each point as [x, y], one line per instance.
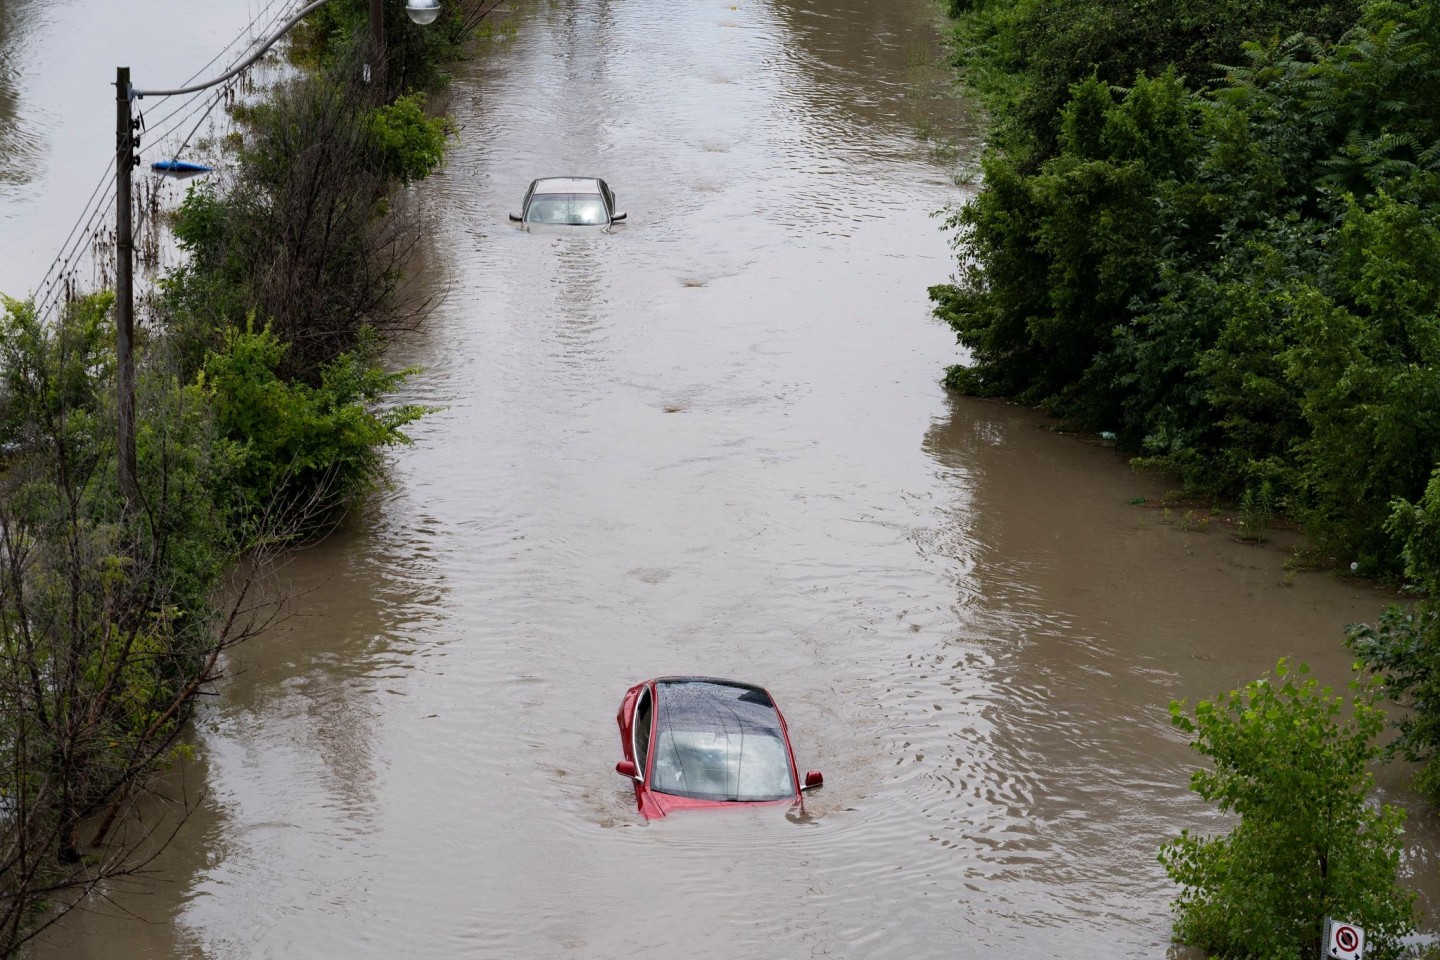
[1343, 941]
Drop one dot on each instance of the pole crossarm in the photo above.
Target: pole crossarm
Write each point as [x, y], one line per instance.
[264, 48]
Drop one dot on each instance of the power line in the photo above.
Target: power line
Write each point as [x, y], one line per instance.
[59, 276]
[248, 29]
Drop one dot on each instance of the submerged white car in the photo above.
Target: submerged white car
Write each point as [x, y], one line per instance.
[569, 201]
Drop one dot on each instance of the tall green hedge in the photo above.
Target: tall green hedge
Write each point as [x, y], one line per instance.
[1242, 280]
[1235, 269]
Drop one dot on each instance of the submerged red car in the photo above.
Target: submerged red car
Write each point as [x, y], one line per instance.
[702, 742]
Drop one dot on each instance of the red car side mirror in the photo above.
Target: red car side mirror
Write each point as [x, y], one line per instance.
[627, 769]
[813, 779]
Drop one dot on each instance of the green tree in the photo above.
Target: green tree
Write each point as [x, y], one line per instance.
[1294, 767]
[1405, 644]
[414, 55]
[411, 144]
[310, 233]
[110, 617]
[1238, 279]
[302, 450]
[1025, 56]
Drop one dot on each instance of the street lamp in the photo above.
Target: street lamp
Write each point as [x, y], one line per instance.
[127, 142]
[423, 11]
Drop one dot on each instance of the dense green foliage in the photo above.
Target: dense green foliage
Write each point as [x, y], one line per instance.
[1024, 56]
[57, 426]
[289, 442]
[410, 143]
[1294, 769]
[1236, 270]
[108, 619]
[106, 616]
[1241, 280]
[1404, 645]
[308, 233]
[413, 54]
[110, 605]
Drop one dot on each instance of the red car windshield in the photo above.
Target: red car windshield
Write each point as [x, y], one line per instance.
[719, 742]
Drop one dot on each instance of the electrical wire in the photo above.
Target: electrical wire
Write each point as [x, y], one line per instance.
[254, 39]
[215, 98]
[87, 217]
[55, 280]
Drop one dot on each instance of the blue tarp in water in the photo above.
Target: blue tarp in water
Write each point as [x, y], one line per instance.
[180, 166]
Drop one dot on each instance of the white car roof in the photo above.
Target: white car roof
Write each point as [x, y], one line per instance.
[567, 185]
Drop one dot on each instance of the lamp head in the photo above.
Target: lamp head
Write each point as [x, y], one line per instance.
[422, 11]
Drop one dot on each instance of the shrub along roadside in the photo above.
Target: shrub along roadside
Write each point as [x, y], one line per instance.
[1307, 843]
[305, 450]
[251, 433]
[1024, 56]
[1241, 281]
[1237, 270]
[414, 55]
[1404, 644]
[309, 231]
[309, 240]
[109, 618]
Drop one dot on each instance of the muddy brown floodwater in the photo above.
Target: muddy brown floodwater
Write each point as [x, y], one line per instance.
[713, 443]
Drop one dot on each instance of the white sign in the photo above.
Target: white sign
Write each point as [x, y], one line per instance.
[1343, 941]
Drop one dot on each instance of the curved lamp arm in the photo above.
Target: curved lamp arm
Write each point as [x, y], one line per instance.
[274, 39]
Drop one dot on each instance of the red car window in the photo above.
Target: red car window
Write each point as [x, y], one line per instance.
[719, 741]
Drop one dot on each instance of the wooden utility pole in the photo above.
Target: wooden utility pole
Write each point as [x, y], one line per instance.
[125, 144]
[377, 45]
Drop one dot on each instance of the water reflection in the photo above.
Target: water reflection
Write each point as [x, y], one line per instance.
[712, 443]
[1093, 614]
[302, 713]
[22, 146]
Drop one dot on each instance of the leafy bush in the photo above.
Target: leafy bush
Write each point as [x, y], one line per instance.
[1236, 270]
[105, 610]
[1056, 258]
[310, 233]
[1404, 645]
[413, 54]
[1366, 365]
[1027, 55]
[1240, 282]
[245, 440]
[1308, 843]
[411, 144]
[297, 448]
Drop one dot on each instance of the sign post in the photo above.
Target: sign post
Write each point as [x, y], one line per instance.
[1343, 941]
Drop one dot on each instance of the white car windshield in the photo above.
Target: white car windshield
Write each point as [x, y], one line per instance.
[721, 766]
[575, 209]
[717, 741]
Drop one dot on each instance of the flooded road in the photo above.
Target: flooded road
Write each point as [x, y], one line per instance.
[713, 443]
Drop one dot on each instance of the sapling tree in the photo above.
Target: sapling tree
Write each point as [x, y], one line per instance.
[113, 619]
[1292, 763]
